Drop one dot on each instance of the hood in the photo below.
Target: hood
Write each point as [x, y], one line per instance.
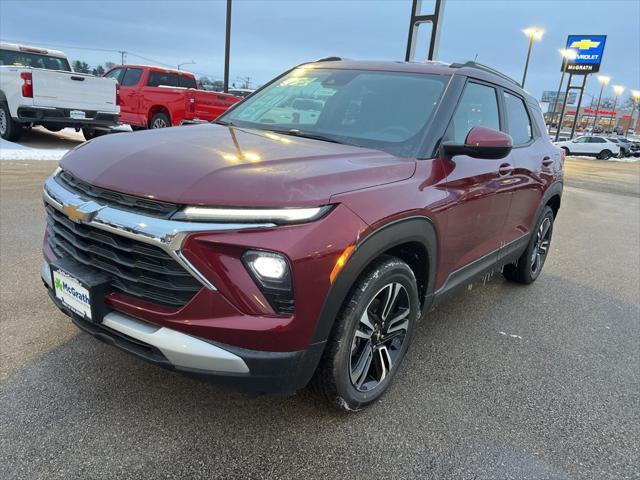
[227, 166]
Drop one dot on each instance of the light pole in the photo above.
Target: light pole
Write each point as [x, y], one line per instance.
[617, 89]
[186, 63]
[567, 54]
[603, 79]
[533, 34]
[635, 95]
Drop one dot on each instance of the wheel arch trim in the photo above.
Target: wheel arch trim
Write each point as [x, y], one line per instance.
[419, 229]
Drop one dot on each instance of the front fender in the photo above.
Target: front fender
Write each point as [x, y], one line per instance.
[414, 229]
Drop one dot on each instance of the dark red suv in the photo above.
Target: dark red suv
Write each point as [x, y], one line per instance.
[301, 237]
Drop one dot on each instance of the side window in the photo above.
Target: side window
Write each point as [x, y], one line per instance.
[131, 77]
[518, 121]
[188, 82]
[478, 107]
[581, 140]
[164, 79]
[116, 73]
[597, 140]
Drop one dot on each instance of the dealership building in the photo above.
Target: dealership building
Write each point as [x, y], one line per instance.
[607, 118]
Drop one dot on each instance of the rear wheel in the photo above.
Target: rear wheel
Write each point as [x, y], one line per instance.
[528, 267]
[605, 155]
[159, 120]
[90, 133]
[370, 337]
[9, 129]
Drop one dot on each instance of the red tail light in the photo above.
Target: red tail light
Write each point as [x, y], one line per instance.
[191, 104]
[27, 84]
[118, 97]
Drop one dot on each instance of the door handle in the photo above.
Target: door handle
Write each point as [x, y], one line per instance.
[505, 169]
[547, 161]
[77, 79]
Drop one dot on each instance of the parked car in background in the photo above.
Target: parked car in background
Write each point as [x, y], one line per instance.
[631, 148]
[590, 145]
[157, 97]
[241, 92]
[38, 87]
[623, 143]
[270, 255]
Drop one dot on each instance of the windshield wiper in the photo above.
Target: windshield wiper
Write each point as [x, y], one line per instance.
[298, 133]
[224, 123]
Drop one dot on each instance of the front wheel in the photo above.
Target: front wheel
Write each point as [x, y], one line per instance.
[370, 337]
[528, 267]
[605, 155]
[566, 151]
[9, 129]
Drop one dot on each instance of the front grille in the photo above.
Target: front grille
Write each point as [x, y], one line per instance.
[137, 269]
[118, 200]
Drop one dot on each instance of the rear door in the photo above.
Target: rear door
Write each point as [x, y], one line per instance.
[531, 156]
[479, 189]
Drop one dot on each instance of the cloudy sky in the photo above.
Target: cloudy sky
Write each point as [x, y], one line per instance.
[271, 36]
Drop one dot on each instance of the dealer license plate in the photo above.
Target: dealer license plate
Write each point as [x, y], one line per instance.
[72, 293]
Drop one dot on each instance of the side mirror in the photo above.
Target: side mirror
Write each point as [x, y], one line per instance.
[481, 142]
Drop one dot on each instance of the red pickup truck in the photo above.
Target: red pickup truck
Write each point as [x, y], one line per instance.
[156, 97]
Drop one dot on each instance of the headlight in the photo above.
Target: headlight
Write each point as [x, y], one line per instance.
[276, 216]
[272, 274]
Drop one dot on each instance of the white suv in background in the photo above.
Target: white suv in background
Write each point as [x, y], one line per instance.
[590, 145]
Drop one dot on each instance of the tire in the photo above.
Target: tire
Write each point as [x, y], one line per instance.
[358, 363]
[605, 155]
[91, 133]
[53, 128]
[159, 120]
[528, 267]
[9, 129]
[566, 151]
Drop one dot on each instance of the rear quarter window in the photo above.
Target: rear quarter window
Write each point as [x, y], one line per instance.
[518, 121]
[187, 82]
[163, 79]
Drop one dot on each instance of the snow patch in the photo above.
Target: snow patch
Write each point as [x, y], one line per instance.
[12, 151]
[510, 335]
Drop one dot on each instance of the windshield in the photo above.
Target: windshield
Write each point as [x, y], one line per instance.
[383, 110]
[35, 60]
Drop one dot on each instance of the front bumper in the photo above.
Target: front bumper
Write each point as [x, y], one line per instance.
[246, 370]
[62, 117]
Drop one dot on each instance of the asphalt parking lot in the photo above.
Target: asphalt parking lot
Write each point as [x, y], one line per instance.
[501, 382]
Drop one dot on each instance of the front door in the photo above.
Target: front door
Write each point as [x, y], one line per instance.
[130, 97]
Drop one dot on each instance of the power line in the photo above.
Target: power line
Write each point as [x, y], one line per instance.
[123, 55]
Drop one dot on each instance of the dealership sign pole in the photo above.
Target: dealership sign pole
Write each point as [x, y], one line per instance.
[588, 57]
[417, 19]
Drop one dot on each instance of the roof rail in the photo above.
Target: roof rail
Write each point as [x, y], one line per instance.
[484, 68]
[329, 59]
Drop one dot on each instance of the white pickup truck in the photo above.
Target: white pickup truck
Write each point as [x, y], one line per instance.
[38, 87]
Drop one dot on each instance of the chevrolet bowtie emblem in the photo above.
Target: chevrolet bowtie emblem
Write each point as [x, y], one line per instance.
[584, 44]
[82, 213]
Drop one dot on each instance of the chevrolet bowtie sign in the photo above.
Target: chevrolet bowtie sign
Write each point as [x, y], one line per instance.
[587, 51]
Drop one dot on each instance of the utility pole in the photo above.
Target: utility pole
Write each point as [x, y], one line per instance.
[227, 47]
[123, 57]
